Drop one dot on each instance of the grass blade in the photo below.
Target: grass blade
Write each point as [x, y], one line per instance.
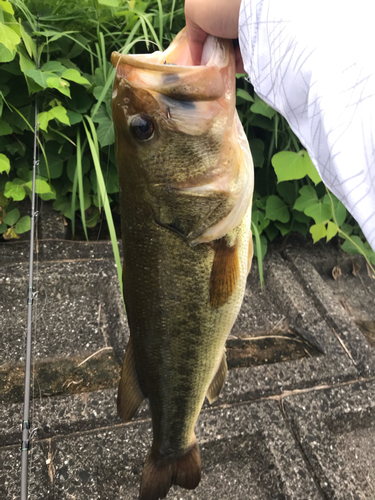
[93, 144]
[258, 245]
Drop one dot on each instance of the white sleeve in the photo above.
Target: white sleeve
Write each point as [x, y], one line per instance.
[314, 62]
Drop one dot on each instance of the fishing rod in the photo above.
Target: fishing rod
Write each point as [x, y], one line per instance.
[25, 445]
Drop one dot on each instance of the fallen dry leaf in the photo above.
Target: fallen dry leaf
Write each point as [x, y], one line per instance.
[356, 268]
[336, 272]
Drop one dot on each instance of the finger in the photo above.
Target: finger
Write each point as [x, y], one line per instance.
[239, 62]
[196, 38]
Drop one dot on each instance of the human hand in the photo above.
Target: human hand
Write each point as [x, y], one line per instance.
[212, 17]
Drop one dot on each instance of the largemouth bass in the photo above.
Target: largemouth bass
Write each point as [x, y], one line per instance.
[186, 183]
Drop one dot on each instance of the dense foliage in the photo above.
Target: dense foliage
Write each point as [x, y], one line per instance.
[72, 83]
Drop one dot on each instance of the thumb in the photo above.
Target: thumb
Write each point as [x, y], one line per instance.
[196, 38]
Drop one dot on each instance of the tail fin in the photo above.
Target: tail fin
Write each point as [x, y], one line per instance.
[159, 474]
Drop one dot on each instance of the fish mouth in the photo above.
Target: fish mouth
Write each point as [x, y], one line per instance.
[172, 73]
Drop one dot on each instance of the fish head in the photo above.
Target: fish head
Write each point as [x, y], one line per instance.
[177, 133]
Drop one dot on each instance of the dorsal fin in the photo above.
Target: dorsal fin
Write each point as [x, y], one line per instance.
[130, 395]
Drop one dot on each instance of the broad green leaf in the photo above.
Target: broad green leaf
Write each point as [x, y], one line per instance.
[271, 231]
[287, 191]
[74, 76]
[12, 217]
[73, 117]
[347, 229]
[311, 170]
[290, 166]
[354, 246]
[307, 197]
[319, 212]
[8, 37]
[332, 230]
[59, 84]
[6, 55]
[15, 191]
[257, 152]
[318, 231]
[101, 116]
[59, 112]
[29, 42]
[3, 228]
[41, 186]
[106, 134]
[53, 67]
[6, 7]
[259, 219]
[276, 209]
[4, 164]
[261, 108]
[40, 77]
[55, 165]
[243, 94]
[25, 62]
[23, 225]
[43, 120]
[338, 208]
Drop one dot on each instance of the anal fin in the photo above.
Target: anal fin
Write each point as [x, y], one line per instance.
[218, 381]
[130, 395]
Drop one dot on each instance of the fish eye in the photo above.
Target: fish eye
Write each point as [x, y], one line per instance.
[142, 127]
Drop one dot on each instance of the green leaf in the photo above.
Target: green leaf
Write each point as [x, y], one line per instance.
[311, 171]
[3, 228]
[318, 231]
[59, 112]
[12, 217]
[307, 197]
[74, 76]
[106, 134]
[319, 212]
[257, 152]
[6, 55]
[261, 108]
[287, 191]
[9, 37]
[55, 165]
[41, 186]
[290, 166]
[6, 7]
[59, 84]
[332, 230]
[15, 191]
[53, 67]
[40, 77]
[243, 94]
[4, 164]
[338, 208]
[73, 117]
[354, 247]
[258, 218]
[23, 225]
[276, 209]
[29, 42]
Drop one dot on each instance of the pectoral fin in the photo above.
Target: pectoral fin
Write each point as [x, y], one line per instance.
[130, 395]
[218, 380]
[225, 272]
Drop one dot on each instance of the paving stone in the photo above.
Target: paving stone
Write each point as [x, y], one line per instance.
[328, 299]
[40, 485]
[336, 428]
[244, 449]
[78, 309]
